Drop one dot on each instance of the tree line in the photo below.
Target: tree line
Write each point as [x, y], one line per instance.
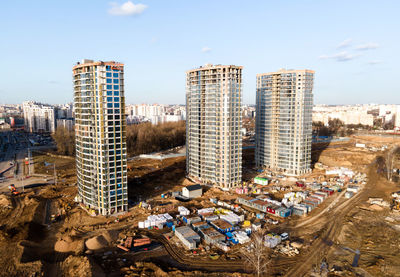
[140, 138]
[65, 141]
[335, 127]
[147, 138]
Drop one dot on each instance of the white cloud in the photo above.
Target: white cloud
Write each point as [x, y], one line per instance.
[345, 43]
[367, 46]
[375, 62]
[205, 49]
[343, 56]
[126, 9]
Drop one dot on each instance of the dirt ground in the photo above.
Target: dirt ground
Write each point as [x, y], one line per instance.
[76, 244]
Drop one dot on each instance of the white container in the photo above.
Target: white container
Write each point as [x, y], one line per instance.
[141, 224]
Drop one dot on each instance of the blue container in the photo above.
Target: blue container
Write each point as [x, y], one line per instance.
[173, 228]
[234, 241]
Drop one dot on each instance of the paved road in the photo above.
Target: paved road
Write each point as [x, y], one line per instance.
[16, 145]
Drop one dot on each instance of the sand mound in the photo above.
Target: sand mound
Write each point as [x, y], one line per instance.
[110, 236]
[375, 207]
[96, 243]
[69, 246]
[67, 239]
[4, 200]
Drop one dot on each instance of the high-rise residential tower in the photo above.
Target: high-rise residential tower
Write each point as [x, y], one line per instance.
[213, 125]
[100, 129]
[284, 105]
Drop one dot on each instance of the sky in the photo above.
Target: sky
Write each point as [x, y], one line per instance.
[352, 45]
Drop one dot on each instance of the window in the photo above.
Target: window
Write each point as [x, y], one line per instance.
[116, 93]
[109, 93]
[115, 75]
[116, 99]
[109, 81]
[108, 74]
[109, 86]
[116, 105]
[109, 99]
[116, 81]
[109, 105]
[116, 87]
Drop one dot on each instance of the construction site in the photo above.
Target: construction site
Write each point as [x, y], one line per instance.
[344, 220]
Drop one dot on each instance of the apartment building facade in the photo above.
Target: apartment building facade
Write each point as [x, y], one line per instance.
[284, 103]
[213, 125]
[39, 117]
[100, 131]
[397, 118]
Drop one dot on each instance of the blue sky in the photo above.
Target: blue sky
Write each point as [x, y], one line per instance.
[352, 45]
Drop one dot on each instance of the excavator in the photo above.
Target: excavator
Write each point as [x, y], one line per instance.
[13, 189]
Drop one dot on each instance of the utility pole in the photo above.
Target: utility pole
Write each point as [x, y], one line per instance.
[29, 161]
[55, 175]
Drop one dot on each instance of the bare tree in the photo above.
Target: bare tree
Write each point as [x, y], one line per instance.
[390, 158]
[257, 256]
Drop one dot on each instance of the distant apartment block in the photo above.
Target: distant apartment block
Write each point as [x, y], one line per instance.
[397, 118]
[213, 124]
[155, 113]
[39, 117]
[100, 129]
[67, 123]
[367, 114]
[284, 105]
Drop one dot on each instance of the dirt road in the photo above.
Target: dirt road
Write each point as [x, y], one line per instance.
[334, 220]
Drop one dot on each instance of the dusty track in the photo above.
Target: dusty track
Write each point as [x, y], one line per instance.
[335, 219]
[224, 266]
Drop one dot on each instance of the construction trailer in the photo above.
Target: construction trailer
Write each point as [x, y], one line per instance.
[192, 191]
[211, 235]
[222, 226]
[187, 236]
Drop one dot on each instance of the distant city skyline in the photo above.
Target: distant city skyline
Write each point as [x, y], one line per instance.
[349, 44]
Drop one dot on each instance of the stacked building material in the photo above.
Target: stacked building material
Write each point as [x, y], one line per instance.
[241, 237]
[155, 220]
[272, 240]
[206, 211]
[183, 210]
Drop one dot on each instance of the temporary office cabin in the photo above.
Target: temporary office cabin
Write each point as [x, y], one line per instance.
[192, 191]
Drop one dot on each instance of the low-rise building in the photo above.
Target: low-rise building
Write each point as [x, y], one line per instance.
[192, 191]
[211, 236]
[187, 236]
[222, 226]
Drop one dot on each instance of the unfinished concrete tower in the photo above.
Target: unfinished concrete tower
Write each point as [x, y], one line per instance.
[100, 134]
[213, 125]
[284, 105]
